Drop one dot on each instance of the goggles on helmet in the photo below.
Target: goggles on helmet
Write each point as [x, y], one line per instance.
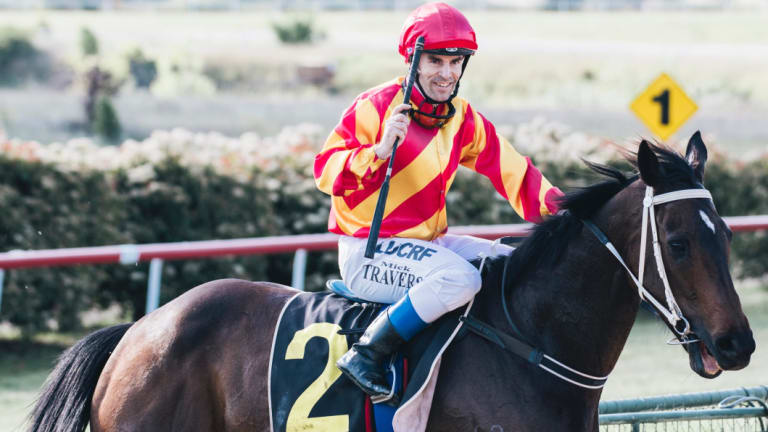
[451, 51]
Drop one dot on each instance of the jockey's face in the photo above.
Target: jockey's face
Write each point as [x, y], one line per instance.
[438, 74]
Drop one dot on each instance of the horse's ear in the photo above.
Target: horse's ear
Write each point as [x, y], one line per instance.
[696, 155]
[648, 165]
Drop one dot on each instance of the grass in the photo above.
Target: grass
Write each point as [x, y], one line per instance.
[647, 366]
[522, 55]
[23, 368]
[558, 64]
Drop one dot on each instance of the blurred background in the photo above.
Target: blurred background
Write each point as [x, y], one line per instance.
[132, 122]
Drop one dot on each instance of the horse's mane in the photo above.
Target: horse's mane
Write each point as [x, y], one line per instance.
[549, 239]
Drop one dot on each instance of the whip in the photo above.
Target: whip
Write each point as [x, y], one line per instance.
[378, 214]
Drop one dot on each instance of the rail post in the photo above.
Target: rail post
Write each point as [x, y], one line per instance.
[153, 287]
[299, 269]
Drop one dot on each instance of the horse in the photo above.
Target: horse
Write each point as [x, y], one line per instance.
[200, 362]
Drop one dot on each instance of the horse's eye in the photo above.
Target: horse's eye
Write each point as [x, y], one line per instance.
[678, 247]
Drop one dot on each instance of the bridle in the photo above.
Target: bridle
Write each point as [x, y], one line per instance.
[671, 311]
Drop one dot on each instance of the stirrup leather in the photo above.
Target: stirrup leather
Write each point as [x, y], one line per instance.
[392, 394]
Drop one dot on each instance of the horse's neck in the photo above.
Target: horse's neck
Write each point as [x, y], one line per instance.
[581, 309]
[578, 310]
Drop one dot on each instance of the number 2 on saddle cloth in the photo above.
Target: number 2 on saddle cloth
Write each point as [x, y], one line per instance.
[307, 390]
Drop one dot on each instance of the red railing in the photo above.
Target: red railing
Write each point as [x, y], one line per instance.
[251, 246]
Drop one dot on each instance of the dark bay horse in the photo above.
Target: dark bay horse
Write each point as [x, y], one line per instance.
[200, 362]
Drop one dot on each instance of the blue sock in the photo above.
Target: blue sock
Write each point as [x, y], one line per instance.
[404, 318]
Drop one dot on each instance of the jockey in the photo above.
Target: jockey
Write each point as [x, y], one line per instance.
[418, 269]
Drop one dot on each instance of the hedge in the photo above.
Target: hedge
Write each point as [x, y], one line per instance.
[182, 186]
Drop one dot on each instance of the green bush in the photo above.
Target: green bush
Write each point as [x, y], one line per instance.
[46, 208]
[295, 30]
[143, 70]
[179, 186]
[89, 44]
[741, 189]
[182, 205]
[19, 58]
[105, 121]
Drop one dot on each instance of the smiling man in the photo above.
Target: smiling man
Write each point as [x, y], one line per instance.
[418, 268]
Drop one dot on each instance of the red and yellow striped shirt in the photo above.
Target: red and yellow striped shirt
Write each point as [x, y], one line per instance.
[424, 169]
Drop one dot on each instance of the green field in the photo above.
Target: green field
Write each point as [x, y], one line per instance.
[581, 69]
[524, 57]
[23, 368]
[647, 366]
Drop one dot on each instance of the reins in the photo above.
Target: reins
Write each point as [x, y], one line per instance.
[671, 311]
[521, 348]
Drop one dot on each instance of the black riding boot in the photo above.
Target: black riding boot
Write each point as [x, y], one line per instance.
[365, 362]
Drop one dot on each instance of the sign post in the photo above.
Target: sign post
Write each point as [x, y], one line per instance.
[663, 107]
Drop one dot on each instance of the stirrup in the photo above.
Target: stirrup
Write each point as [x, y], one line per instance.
[392, 392]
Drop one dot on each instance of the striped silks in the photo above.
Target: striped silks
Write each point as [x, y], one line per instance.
[348, 169]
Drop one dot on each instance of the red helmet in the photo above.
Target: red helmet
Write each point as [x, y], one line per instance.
[445, 31]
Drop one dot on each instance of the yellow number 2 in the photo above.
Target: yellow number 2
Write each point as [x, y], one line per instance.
[298, 418]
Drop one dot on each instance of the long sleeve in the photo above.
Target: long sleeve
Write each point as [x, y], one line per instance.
[347, 162]
[514, 176]
[423, 170]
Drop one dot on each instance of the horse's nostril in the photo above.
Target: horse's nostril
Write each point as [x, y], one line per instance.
[725, 344]
[736, 344]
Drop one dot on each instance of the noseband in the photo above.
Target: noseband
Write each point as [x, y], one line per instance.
[671, 311]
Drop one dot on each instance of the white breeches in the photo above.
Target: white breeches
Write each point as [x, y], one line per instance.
[436, 274]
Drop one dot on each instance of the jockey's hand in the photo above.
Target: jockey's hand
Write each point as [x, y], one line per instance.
[395, 127]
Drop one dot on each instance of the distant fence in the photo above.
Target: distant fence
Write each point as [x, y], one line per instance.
[131, 254]
[743, 409]
[555, 5]
[156, 253]
[300, 244]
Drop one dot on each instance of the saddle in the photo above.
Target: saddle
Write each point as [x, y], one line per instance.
[307, 390]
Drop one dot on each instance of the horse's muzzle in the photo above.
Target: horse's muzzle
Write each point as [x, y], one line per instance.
[733, 350]
[730, 351]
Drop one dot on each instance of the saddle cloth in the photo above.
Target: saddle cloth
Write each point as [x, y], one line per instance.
[307, 392]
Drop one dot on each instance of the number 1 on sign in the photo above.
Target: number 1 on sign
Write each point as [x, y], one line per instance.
[663, 106]
[663, 100]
